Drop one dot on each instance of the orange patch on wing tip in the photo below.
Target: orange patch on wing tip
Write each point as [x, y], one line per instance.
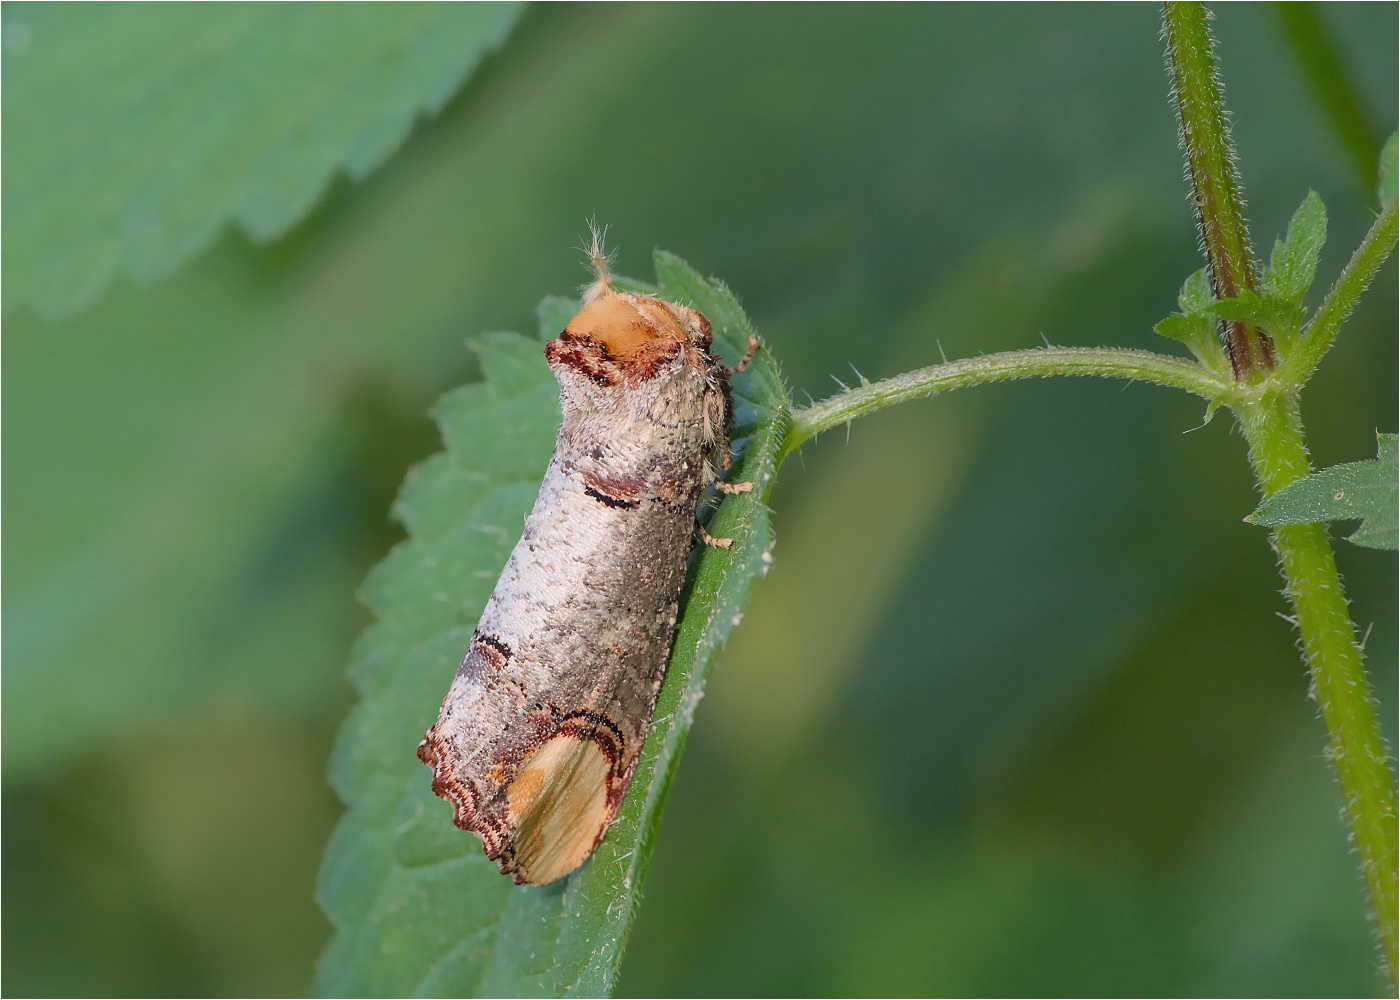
[558, 806]
[626, 324]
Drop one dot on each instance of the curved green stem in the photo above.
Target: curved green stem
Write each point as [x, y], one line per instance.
[1109, 362]
[1274, 431]
[1268, 415]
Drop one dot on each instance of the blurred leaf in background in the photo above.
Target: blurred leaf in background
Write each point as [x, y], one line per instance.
[136, 133]
[1020, 720]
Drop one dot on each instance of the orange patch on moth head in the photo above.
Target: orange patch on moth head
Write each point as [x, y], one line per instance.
[628, 325]
[558, 807]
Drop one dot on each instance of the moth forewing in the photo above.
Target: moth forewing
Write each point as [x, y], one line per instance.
[558, 804]
[539, 734]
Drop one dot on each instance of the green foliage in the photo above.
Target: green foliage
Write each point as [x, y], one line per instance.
[1195, 326]
[1196, 294]
[134, 134]
[1355, 490]
[419, 908]
[1388, 173]
[1293, 264]
[1028, 690]
[1277, 307]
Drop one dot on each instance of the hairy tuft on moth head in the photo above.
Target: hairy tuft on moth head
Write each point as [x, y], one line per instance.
[624, 323]
[598, 259]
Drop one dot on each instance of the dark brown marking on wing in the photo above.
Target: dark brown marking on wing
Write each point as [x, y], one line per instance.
[494, 644]
[619, 492]
[584, 355]
[617, 487]
[608, 501]
[591, 721]
[440, 755]
[486, 657]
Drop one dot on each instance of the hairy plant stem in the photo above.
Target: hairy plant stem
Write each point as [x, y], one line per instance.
[1341, 299]
[1274, 431]
[1210, 161]
[1265, 402]
[1040, 362]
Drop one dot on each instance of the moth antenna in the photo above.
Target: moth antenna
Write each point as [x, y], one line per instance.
[600, 260]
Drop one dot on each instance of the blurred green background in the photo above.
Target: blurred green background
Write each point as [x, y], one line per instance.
[1015, 712]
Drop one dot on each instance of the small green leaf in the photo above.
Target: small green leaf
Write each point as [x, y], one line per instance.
[1246, 307]
[418, 908]
[134, 133]
[1274, 316]
[1194, 326]
[1196, 293]
[1357, 490]
[1195, 330]
[1294, 261]
[1278, 307]
[1385, 188]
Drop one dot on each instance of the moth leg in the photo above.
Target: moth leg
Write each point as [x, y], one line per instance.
[732, 488]
[708, 539]
[748, 356]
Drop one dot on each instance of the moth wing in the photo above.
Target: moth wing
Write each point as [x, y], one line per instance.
[558, 807]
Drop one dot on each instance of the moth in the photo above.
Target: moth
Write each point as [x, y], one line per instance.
[539, 734]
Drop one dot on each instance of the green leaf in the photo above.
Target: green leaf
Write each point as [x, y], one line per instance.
[418, 908]
[1195, 331]
[1278, 306]
[1365, 490]
[1385, 186]
[135, 133]
[1196, 293]
[1276, 317]
[1194, 326]
[1293, 263]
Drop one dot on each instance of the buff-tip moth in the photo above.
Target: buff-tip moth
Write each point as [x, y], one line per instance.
[539, 734]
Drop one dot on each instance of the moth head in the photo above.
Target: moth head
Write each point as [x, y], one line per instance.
[621, 339]
[626, 325]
